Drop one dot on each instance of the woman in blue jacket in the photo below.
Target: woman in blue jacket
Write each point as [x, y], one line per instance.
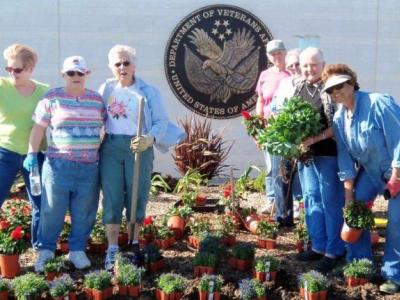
[367, 130]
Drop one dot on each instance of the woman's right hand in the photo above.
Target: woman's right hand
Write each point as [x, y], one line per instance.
[30, 161]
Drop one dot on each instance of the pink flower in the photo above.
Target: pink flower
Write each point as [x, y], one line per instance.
[117, 109]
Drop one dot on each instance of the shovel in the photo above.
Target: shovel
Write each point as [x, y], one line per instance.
[135, 177]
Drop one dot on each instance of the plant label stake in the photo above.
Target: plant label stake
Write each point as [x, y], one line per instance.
[305, 291]
[267, 268]
[136, 170]
[211, 290]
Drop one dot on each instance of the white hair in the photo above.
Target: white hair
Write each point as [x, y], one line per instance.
[312, 52]
[122, 49]
[292, 52]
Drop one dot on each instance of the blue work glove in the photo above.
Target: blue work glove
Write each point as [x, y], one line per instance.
[30, 161]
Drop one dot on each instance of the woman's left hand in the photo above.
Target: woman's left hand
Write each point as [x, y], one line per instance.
[308, 142]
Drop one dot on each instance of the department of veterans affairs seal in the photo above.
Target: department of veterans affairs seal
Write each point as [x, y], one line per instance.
[213, 59]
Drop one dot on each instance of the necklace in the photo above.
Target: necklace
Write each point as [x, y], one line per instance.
[311, 93]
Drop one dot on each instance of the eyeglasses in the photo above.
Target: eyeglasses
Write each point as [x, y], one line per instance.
[125, 64]
[72, 73]
[335, 88]
[15, 70]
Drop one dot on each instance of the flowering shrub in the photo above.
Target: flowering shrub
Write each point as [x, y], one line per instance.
[16, 212]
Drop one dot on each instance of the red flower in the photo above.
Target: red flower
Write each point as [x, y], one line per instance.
[17, 233]
[228, 191]
[4, 225]
[148, 221]
[245, 115]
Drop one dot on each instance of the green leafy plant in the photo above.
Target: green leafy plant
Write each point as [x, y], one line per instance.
[29, 284]
[202, 150]
[171, 282]
[164, 233]
[189, 198]
[158, 184]
[55, 264]
[98, 280]
[65, 232]
[210, 242]
[199, 225]
[4, 285]
[61, 286]
[358, 215]
[182, 211]
[190, 181]
[314, 281]
[250, 289]
[98, 234]
[225, 225]
[267, 229]
[263, 262]
[243, 251]
[204, 259]
[359, 268]
[301, 231]
[204, 284]
[129, 274]
[286, 131]
[152, 253]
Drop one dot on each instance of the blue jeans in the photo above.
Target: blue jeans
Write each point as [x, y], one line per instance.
[116, 171]
[365, 191]
[73, 186]
[323, 200]
[10, 165]
[391, 258]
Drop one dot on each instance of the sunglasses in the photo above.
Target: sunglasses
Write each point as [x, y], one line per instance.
[335, 88]
[15, 70]
[125, 64]
[73, 73]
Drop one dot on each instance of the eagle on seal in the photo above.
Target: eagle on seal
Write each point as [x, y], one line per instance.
[233, 69]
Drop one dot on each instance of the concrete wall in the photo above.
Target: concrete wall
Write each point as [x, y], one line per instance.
[362, 33]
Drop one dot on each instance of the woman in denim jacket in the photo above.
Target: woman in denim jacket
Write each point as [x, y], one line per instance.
[121, 96]
[367, 131]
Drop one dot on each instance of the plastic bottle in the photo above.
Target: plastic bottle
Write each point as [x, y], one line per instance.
[34, 178]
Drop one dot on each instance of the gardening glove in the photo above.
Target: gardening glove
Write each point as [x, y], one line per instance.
[392, 188]
[141, 143]
[30, 162]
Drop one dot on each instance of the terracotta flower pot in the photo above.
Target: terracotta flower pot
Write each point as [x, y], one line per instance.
[9, 265]
[201, 200]
[63, 247]
[122, 239]
[302, 294]
[363, 281]
[123, 290]
[196, 271]
[323, 295]
[88, 293]
[260, 276]
[243, 264]
[134, 291]
[350, 235]
[149, 237]
[99, 248]
[352, 281]
[203, 295]
[209, 270]
[270, 244]
[176, 222]
[261, 298]
[72, 296]
[313, 296]
[4, 295]
[233, 262]
[99, 295]
[51, 275]
[261, 243]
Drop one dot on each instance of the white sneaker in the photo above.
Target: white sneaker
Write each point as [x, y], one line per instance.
[44, 255]
[79, 259]
[110, 258]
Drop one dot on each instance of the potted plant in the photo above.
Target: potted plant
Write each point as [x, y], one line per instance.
[148, 231]
[225, 226]
[99, 282]
[189, 198]
[62, 243]
[204, 263]
[54, 267]
[170, 286]
[357, 217]
[98, 236]
[210, 242]
[201, 199]
[4, 289]
[266, 268]
[197, 227]
[251, 289]
[302, 236]
[62, 288]
[129, 279]
[358, 272]
[242, 256]
[29, 286]
[210, 285]
[123, 232]
[177, 219]
[12, 244]
[268, 231]
[153, 259]
[164, 237]
[313, 285]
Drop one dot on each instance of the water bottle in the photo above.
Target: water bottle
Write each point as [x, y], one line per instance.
[34, 178]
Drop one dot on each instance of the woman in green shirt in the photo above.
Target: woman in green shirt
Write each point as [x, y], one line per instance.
[19, 95]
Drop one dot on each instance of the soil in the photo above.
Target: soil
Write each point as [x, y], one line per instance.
[178, 259]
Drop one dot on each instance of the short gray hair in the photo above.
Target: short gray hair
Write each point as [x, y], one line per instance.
[122, 49]
[312, 51]
[292, 52]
